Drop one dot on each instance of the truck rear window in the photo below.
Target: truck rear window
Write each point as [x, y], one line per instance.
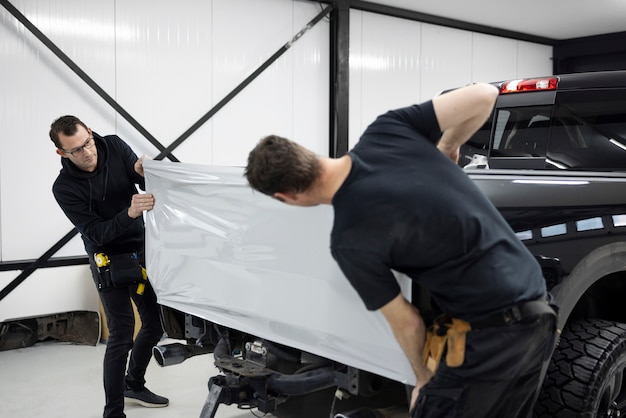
[589, 131]
[521, 132]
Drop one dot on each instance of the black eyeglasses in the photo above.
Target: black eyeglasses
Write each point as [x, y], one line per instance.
[75, 152]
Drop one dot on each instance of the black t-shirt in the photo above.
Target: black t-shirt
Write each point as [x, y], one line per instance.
[406, 206]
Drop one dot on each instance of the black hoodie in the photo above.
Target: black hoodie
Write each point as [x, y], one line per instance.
[97, 202]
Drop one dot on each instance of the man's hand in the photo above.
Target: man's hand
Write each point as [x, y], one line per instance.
[139, 203]
[451, 151]
[139, 164]
[416, 391]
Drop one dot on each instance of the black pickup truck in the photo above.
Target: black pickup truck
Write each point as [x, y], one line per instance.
[552, 158]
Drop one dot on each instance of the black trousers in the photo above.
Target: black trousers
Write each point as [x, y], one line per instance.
[501, 375]
[121, 323]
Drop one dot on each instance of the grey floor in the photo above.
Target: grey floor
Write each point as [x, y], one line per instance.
[60, 380]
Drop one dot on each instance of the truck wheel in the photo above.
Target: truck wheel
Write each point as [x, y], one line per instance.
[586, 374]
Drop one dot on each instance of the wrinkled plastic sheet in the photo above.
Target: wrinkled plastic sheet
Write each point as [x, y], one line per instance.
[217, 250]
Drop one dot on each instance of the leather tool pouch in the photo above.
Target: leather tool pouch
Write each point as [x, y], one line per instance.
[457, 332]
[446, 333]
[118, 270]
[433, 347]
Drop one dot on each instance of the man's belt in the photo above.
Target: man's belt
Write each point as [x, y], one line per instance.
[449, 334]
[515, 314]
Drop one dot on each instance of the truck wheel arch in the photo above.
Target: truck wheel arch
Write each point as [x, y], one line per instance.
[596, 265]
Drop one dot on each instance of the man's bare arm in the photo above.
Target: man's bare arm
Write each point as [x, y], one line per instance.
[409, 329]
[461, 113]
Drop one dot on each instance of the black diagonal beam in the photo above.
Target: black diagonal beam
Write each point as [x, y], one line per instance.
[244, 83]
[36, 264]
[53, 262]
[83, 76]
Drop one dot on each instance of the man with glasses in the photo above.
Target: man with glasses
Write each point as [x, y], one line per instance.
[96, 189]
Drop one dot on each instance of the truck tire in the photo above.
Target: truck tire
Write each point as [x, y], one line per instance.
[585, 378]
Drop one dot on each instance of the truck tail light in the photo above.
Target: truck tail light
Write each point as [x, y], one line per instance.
[531, 84]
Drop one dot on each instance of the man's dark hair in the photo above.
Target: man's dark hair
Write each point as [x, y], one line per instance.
[65, 125]
[277, 164]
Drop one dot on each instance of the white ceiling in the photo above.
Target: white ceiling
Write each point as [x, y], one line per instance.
[555, 19]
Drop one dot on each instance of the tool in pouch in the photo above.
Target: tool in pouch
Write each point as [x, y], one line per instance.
[445, 333]
[120, 270]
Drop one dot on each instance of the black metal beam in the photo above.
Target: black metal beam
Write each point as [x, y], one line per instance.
[245, 82]
[36, 264]
[367, 6]
[339, 79]
[54, 262]
[82, 75]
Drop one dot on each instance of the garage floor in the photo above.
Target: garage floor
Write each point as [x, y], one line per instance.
[59, 380]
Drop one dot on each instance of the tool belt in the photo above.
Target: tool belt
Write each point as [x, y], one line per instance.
[449, 334]
[516, 313]
[117, 270]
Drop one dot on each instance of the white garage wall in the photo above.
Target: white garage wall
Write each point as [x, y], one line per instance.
[396, 62]
[168, 63]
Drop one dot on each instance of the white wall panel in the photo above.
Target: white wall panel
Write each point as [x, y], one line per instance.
[48, 292]
[385, 63]
[493, 58]
[36, 89]
[446, 59]
[264, 107]
[267, 105]
[164, 71]
[387, 66]
[533, 60]
[310, 63]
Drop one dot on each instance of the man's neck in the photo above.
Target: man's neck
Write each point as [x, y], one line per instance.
[334, 173]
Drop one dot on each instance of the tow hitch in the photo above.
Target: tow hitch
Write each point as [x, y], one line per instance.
[248, 383]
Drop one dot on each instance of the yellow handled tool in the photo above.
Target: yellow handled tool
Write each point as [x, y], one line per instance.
[101, 259]
[142, 286]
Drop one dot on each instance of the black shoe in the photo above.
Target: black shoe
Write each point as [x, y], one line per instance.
[145, 398]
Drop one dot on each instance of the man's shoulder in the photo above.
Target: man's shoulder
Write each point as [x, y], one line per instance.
[407, 114]
[59, 182]
[408, 122]
[115, 146]
[64, 184]
[111, 139]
